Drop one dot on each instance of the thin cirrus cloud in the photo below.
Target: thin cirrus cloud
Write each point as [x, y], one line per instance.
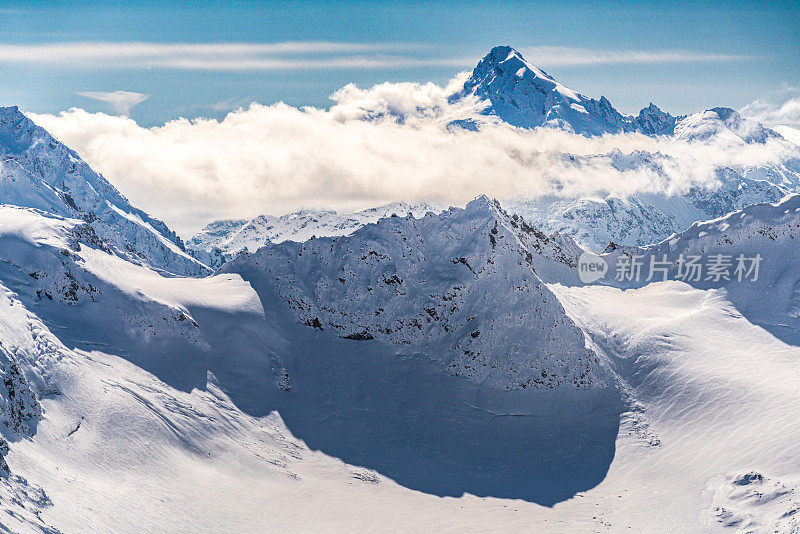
[565, 56]
[305, 55]
[120, 101]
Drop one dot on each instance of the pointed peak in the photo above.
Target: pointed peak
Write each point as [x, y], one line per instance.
[481, 202]
[724, 113]
[503, 53]
[505, 59]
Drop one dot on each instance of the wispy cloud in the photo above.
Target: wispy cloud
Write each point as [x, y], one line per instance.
[218, 56]
[120, 101]
[304, 55]
[559, 56]
[781, 108]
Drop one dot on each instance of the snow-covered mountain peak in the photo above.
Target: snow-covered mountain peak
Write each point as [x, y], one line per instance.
[481, 203]
[429, 285]
[524, 95]
[723, 123]
[504, 65]
[653, 121]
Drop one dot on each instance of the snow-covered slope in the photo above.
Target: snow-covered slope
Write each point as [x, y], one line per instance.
[710, 443]
[37, 171]
[523, 95]
[769, 231]
[139, 387]
[220, 241]
[144, 403]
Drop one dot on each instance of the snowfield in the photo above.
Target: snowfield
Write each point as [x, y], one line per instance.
[247, 418]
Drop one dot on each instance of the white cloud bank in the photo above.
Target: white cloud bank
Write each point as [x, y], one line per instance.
[120, 101]
[274, 159]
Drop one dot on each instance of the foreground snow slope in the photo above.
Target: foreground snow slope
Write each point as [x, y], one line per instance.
[716, 401]
[767, 231]
[38, 171]
[150, 387]
[150, 404]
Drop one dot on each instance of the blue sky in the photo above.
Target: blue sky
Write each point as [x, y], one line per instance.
[204, 58]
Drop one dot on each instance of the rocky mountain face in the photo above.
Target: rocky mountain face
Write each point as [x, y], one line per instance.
[431, 285]
[37, 171]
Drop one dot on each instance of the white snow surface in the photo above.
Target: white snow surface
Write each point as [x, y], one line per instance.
[431, 284]
[174, 404]
[437, 371]
[521, 94]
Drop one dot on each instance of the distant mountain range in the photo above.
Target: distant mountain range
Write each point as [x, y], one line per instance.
[505, 87]
[519, 93]
[220, 241]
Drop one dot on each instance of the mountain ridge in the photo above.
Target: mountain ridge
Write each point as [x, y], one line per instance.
[38, 171]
